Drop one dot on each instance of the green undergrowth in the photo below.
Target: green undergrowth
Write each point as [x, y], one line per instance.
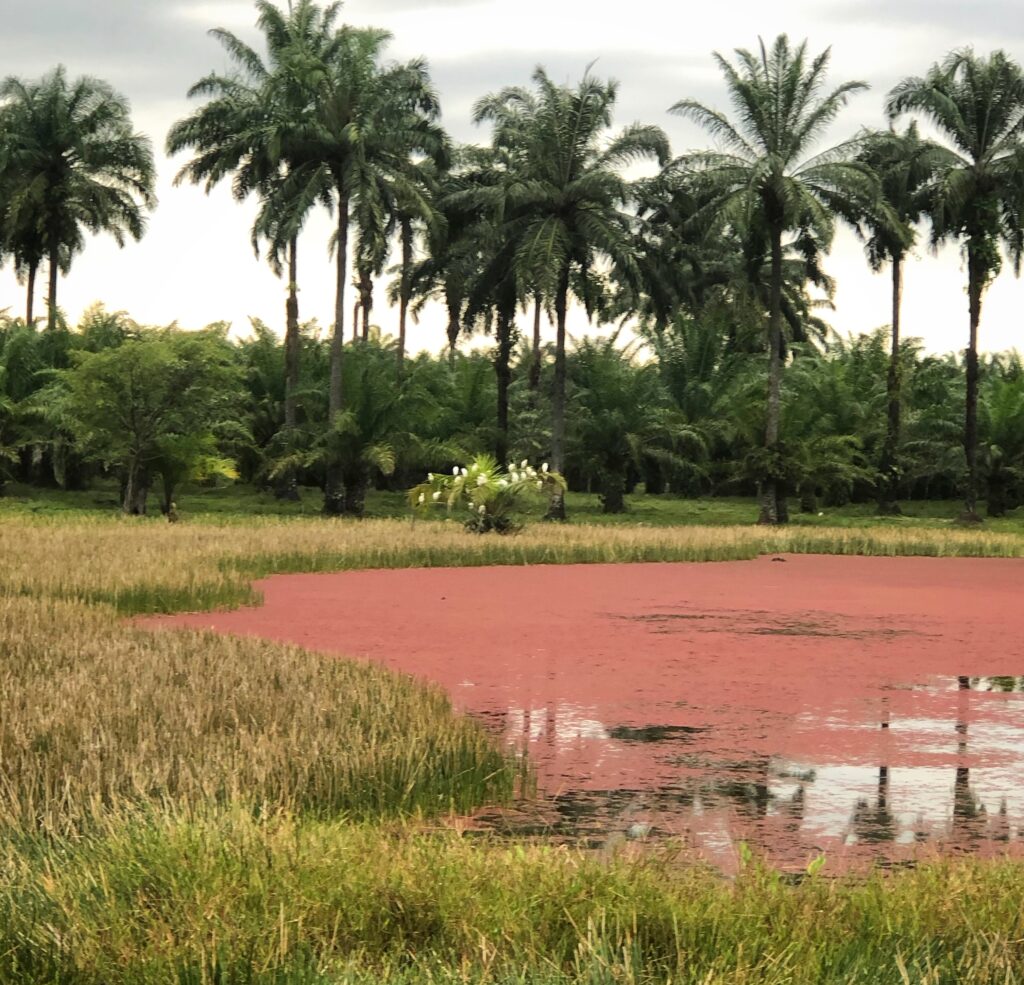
[226, 899]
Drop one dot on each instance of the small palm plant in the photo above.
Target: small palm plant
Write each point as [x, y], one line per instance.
[489, 496]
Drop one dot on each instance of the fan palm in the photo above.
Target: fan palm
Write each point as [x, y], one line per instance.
[905, 164]
[977, 104]
[768, 182]
[561, 202]
[74, 165]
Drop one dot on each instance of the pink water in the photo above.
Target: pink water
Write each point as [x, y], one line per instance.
[859, 706]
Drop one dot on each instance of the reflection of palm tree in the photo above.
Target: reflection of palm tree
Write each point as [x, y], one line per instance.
[966, 809]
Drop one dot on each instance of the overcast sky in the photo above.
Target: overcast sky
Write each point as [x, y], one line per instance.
[195, 264]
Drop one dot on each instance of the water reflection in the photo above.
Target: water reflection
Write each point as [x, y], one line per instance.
[944, 777]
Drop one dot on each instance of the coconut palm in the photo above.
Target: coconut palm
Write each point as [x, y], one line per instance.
[562, 201]
[977, 105]
[74, 165]
[769, 181]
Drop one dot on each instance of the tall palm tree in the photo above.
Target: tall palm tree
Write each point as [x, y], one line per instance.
[905, 164]
[368, 119]
[453, 257]
[769, 181]
[74, 165]
[977, 105]
[562, 201]
[251, 129]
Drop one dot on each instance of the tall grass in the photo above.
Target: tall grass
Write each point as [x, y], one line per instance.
[197, 810]
[94, 713]
[232, 899]
[147, 567]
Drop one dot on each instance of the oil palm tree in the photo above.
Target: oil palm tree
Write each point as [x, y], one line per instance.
[905, 164]
[453, 256]
[768, 180]
[562, 202]
[1001, 419]
[977, 105]
[251, 129]
[74, 166]
[624, 418]
[369, 120]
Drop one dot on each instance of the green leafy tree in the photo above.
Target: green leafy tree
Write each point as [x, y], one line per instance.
[75, 165]
[977, 105]
[769, 181]
[156, 404]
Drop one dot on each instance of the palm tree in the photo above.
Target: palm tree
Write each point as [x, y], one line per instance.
[368, 121]
[562, 202]
[74, 165]
[251, 129]
[453, 257]
[905, 165]
[977, 104]
[624, 417]
[766, 183]
[1001, 419]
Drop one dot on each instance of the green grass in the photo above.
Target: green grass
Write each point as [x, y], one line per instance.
[238, 502]
[148, 900]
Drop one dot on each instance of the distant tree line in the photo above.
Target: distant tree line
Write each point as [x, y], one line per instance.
[715, 262]
[157, 407]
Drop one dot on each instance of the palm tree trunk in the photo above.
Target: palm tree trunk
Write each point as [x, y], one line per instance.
[51, 301]
[503, 371]
[557, 509]
[365, 302]
[291, 338]
[770, 511]
[975, 288]
[888, 468]
[287, 484]
[356, 308]
[404, 292]
[535, 361]
[31, 292]
[334, 485]
[453, 338]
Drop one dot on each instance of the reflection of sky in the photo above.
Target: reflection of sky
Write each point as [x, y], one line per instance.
[919, 798]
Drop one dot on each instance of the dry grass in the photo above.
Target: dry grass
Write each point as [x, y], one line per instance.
[148, 567]
[97, 714]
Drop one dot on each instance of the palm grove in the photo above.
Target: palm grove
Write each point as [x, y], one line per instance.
[715, 261]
